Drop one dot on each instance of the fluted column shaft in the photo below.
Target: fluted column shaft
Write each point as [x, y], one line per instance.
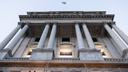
[79, 37]
[115, 37]
[9, 37]
[88, 37]
[52, 36]
[121, 34]
[17, 38]
[43, 37]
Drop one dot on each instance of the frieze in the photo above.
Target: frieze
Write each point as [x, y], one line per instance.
[53, 63]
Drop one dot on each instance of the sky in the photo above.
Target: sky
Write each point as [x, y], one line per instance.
[11, 9]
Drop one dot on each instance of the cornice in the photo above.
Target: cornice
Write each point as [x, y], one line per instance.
[110, 16]
[67, 12]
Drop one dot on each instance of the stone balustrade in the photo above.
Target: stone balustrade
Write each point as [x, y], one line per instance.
[106, 60]
[16, 59]
[115, 60]
[66, 59]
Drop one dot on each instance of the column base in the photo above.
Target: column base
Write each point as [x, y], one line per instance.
[125, 53]
[5, 53]
[42, 54]
[90, 54]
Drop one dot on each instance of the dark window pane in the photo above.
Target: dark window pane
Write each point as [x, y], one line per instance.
[95, 39]
[29, 53]
[65, 39]
[37, 39]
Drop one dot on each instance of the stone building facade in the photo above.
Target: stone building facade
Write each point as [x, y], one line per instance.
[65, 41]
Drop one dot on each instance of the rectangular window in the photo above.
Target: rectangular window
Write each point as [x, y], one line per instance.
[95, 39]
[29, 53]
[65, 39]
[37, 39]
[65, 53]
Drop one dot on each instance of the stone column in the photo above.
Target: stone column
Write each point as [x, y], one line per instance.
[9, 37]
[88, 37]
[79, 37]
[17, 38]
[116, 39]
[43, 37]
[121, 34]
[52, 37]
[87, 53]
[45, 53]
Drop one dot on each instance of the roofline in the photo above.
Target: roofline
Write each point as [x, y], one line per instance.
[58, 12]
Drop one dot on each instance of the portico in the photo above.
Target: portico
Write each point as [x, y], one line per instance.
[65, 41]
[81, 32]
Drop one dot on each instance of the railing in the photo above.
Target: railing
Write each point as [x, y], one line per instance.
[106, 60]
[116, 60]
[66, 60]
[16, 59]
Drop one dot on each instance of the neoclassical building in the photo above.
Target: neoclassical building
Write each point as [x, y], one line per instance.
[65, 41]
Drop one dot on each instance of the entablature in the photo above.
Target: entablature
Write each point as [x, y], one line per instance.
[40, 22]
[65, 17]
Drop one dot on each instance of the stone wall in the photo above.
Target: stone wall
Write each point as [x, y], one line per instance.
[40, 69]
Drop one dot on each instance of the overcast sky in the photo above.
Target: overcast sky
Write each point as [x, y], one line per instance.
[10, 9]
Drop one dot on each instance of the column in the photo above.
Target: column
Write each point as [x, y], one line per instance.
[79, 37]
[43, 37]
[88, 37]
[17, 38]
[52, 37]
[9, 37]
[121, 34]
[86, 54]
[115, 37]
